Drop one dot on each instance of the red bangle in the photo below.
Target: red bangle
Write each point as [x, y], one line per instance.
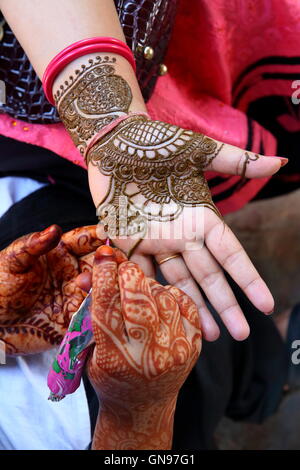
[78, 49]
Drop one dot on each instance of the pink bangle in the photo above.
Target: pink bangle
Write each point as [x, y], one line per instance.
[78, 49]
[105, 130]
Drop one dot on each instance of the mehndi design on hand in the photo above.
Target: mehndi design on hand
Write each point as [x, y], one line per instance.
[92, 99]
[38, 292]
[156, 169]
[148, 338]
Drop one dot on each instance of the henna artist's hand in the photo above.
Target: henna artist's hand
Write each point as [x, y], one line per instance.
[148, 338]
[38, 293]
[154, 172]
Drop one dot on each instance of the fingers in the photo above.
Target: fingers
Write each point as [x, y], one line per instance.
[213, 282]
[190, 317]
[235, 161]
[187, 307]
[177, 274]
[120, 256]
[167, 307]
[106, 308]
[230, 254]
[146, 264]
[172, 346]
[82, 240]
[107, 319]
[138, 306]
[22, 253]
[84, 281]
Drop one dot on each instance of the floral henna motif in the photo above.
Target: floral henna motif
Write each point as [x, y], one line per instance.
[148, 338]
[95, 97]
[156, 170]
[161, 163]
[38, 293]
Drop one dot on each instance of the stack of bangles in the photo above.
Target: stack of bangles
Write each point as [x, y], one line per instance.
[79, 49]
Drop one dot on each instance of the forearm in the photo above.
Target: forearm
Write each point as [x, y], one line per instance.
[44, 28]
[134, 428]
[55, 25]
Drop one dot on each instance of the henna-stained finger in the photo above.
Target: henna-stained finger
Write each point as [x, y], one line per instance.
[107, 318]
[167, 307]
[138, 306]
[171, 335]
[22, 253]
[82, 240]
[84, 281]
[178, 275]
[236, 161]
[190, 317]
[146, 264]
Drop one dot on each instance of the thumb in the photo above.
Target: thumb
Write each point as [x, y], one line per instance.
[236, 161]
[22, 253]
[105, 285]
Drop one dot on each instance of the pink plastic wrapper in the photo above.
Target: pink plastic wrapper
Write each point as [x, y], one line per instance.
[65, 374]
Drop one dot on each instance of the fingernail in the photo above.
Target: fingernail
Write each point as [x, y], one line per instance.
[104, 251]
[283, 160]
[46, 232]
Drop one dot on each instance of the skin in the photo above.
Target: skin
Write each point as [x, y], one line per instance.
[205, 249]
[148, 338]
[38, 290]
[215, 247]
[152, 332]
[270, 231]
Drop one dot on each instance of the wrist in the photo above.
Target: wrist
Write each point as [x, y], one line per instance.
[147, 426]
[93, 91]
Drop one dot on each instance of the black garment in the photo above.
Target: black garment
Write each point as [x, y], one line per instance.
[240, 379]
[21, 159]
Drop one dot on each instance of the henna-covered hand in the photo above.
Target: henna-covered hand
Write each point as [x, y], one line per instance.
[38, 292]
[147, 179]
[148, 338]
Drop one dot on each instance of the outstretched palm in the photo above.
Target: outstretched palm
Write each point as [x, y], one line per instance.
[153, 174]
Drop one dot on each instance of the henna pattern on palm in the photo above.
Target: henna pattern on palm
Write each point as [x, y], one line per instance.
[38, 293]
[148, 338]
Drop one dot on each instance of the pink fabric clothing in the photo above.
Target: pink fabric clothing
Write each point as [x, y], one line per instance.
[220, 55]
